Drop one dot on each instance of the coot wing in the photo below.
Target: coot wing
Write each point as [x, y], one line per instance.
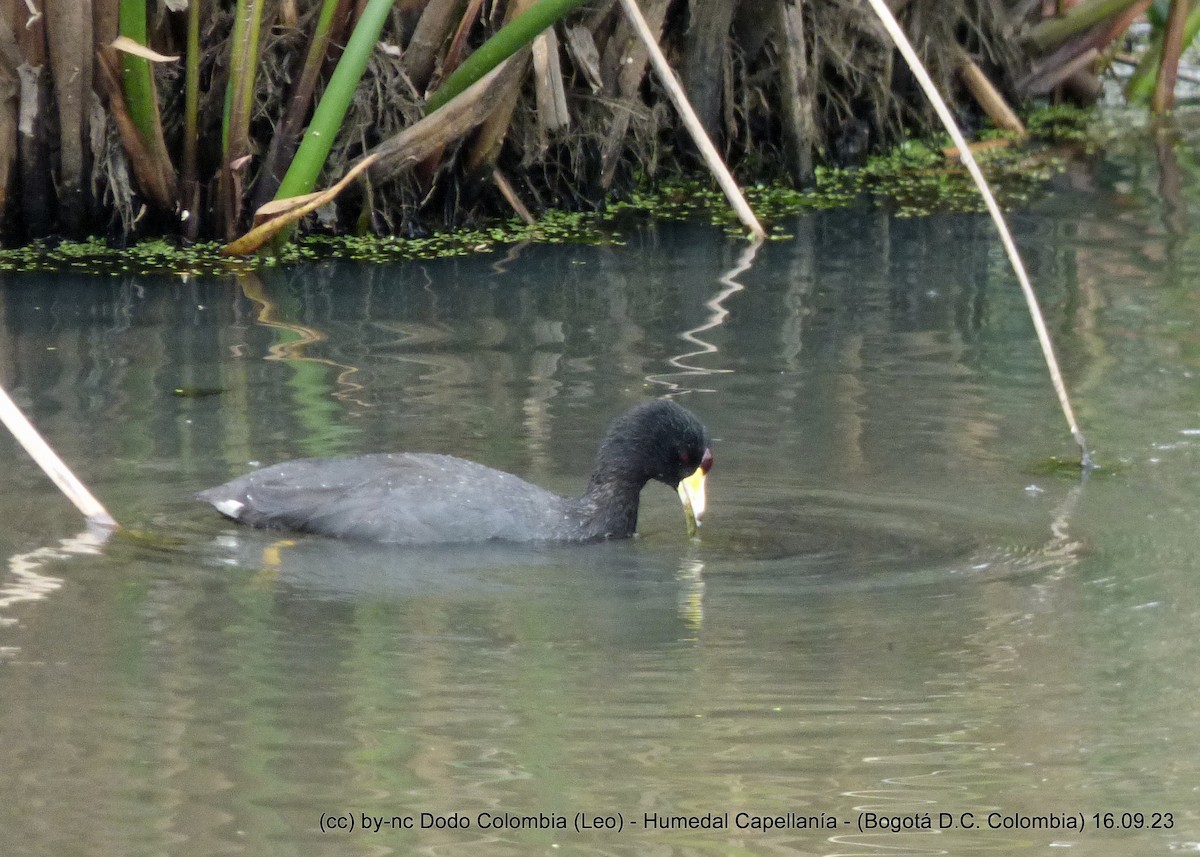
[401, 498]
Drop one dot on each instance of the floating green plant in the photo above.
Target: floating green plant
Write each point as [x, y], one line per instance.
[1068, 468]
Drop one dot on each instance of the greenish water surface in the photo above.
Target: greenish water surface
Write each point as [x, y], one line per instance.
[894, 611]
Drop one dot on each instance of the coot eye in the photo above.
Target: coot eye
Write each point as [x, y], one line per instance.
[685, 457]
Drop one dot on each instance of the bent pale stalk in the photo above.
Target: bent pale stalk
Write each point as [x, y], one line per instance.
[1039, 325]
[51, 464]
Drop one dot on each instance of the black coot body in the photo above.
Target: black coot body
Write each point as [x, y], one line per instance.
[420, 498]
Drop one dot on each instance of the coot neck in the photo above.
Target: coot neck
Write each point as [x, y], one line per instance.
[611, 504]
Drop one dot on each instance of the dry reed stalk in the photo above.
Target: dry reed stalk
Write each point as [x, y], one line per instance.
[1056, 30]
[552, 112]
[510, 196]
[51, 464]
[390, 158]
[622, 68]
[704, 70]
[156, 180]
[1164, 88]
[707, 150]
[33, 136]
[989, 98]
[10, 91]
[485, 148]
[798, 107]
[427, 169]
[433, 28]
[1048, 71]
[943, 111]
[69, 29]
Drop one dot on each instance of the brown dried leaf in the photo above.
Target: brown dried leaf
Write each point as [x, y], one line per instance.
[137, 49]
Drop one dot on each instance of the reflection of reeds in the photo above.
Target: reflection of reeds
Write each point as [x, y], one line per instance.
[293, 342]
[25, 583]
[717, 315]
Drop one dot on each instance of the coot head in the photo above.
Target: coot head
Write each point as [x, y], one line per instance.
[659, 440]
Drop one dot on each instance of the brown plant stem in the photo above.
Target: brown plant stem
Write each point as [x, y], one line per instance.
[1164, 88]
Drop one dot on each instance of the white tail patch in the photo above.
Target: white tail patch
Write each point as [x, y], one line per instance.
[230, 508]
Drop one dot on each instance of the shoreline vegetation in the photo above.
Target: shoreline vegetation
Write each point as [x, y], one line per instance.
[913, 178]
[155, 131]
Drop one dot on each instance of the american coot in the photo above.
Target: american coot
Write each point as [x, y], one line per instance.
[419, 498]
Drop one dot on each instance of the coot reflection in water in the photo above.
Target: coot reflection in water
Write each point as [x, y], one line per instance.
[420, 498]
